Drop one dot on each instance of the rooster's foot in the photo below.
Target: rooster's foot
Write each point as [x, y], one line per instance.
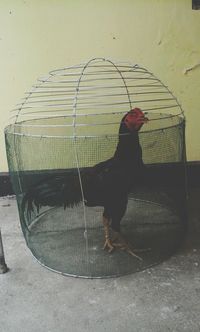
[108, 244]
[124, 245]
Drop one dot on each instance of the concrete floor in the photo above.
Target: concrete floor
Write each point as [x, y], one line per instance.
[163, 298]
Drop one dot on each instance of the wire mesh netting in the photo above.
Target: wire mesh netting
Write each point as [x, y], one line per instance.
[68, 123]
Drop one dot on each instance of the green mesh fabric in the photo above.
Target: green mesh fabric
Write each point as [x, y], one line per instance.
[155, 216]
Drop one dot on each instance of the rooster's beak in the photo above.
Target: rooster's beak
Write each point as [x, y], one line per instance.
[145, 118]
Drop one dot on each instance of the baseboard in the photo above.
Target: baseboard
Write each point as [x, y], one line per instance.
[157, 172]
[5, 185]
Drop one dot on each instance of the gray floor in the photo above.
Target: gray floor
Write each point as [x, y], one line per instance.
[163, 298]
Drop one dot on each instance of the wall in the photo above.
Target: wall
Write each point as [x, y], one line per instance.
[37, 36]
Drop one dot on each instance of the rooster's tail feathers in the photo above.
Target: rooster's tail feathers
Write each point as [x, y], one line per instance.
[55, 191]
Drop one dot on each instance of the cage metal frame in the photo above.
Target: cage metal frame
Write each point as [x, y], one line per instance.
[28, 105]
[63, 92]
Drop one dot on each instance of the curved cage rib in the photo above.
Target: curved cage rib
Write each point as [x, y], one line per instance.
[79, 82]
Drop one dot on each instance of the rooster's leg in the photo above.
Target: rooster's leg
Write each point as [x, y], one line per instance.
[108, 243]
[121, 243]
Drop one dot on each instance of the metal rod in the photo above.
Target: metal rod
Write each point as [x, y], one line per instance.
[41, 114]
[56, 71]
[24, 123]
[106, 135]
[3, 266]
[130, 70]
[96, 87]
[102, 72]
[98, 79]
[86, 103]
[85, 94]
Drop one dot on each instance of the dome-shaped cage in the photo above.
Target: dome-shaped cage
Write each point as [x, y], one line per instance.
[68, 123]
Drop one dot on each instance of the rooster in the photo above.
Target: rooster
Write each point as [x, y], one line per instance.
[106, 184]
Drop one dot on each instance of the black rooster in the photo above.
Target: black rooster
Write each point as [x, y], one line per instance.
[106, 184]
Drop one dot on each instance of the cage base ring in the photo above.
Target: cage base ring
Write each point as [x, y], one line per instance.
[147, 230]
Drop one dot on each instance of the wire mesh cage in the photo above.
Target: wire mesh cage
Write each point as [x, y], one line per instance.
[67, 123]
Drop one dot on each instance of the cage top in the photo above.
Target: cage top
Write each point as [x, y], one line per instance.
[91, 98]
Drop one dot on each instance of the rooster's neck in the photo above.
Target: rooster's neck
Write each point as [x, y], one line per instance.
[128, 148]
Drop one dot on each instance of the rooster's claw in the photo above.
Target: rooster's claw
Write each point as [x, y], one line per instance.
[108, 244]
